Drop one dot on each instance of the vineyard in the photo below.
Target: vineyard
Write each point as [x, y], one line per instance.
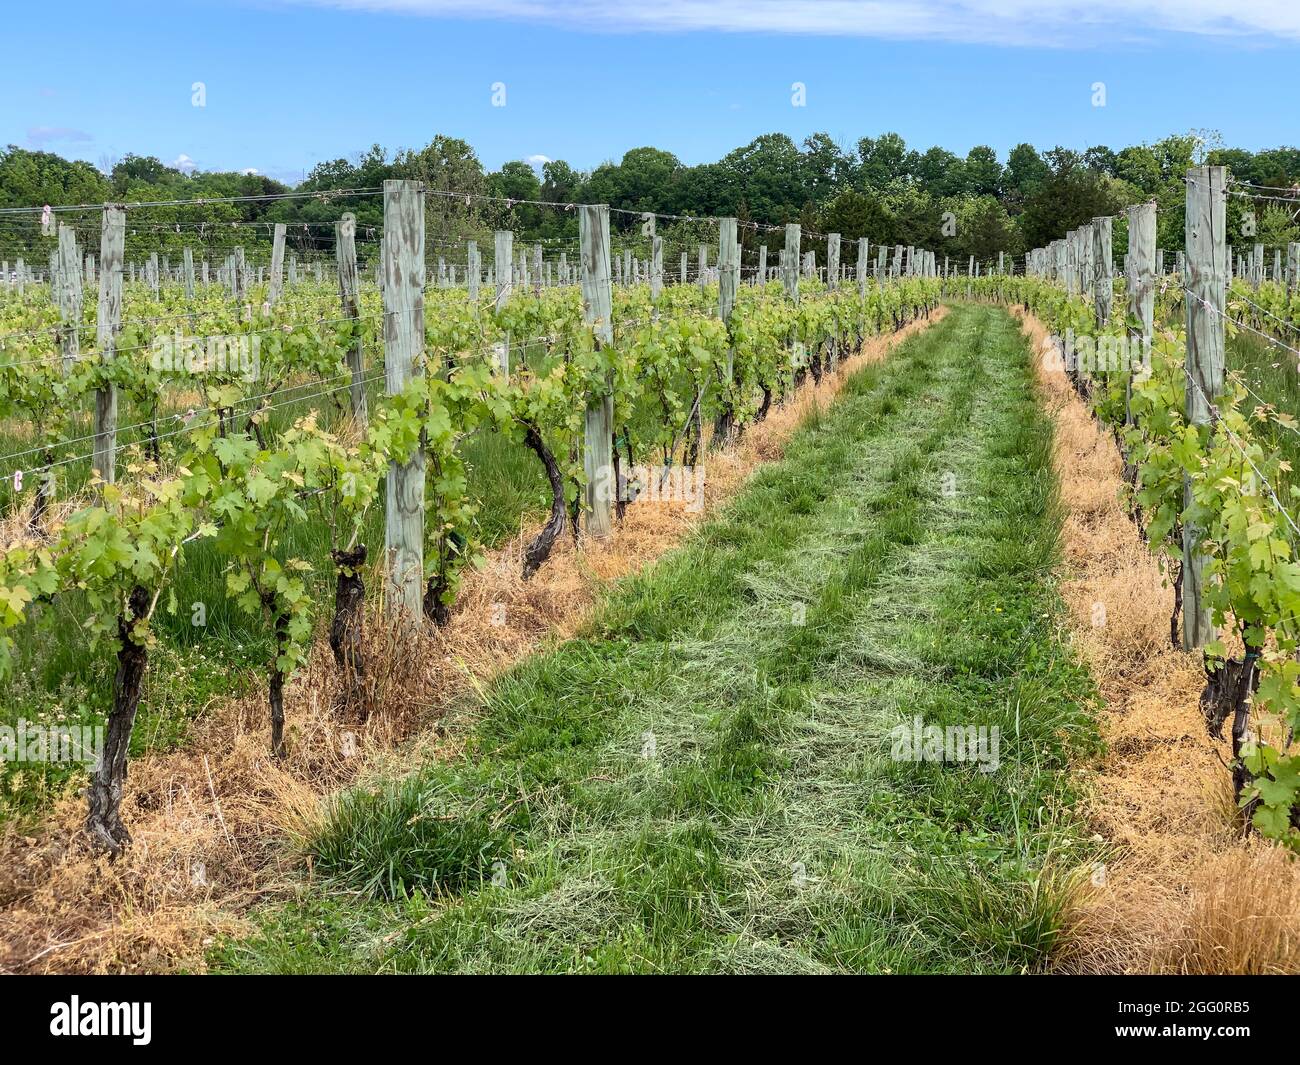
[595, 603]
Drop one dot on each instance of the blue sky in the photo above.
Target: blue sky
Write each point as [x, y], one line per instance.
[292, 82]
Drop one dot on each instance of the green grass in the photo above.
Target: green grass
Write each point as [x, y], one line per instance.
[703, 781]
[57, 677]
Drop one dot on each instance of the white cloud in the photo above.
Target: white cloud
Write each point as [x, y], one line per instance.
[1009, 22]
[537, 161]
[249, 171]
[184, 164]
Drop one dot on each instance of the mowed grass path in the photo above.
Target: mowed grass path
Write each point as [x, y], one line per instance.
[704, 782]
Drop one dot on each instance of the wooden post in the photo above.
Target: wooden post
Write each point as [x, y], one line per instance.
[504, 260]
[704, 266]
[790, 261]
[537, 271]
[473, 270]
[760, 278]
[187, 265]
[862, 267]
[597, 308]
[345, 252]
[656, 267]
[403, 258]
[1206, 283]
[728, 282]
[70, 297]
[112, 244]
[832, 260]
[1103, 284]
[1292, 268]
[277, 264]
[682, 280]
[1140, 284]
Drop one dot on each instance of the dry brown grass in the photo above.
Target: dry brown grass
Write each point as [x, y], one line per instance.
[215, 824]
[1183, 891]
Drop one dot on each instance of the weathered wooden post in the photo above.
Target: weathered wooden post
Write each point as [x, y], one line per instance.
[187, 266]
[597, 309]
[502, 270]
[728, 282]
[403, 263]
[473, 270]
[112, 245]
[832, 260]
[656, 260]
[790, 264]
[1140, 285]
[69, 297]
[1204, 236]
[345, 253]
[760, 278]
[277, 265]
[1103, 274]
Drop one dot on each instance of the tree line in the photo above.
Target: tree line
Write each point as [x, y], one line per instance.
[977, 204]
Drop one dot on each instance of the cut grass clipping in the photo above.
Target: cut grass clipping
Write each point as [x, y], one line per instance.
[705, 781]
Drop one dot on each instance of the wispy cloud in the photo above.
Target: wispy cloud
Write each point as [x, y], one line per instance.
[1006, 22]
[184, 164]
[537, 161]
[39, 135]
